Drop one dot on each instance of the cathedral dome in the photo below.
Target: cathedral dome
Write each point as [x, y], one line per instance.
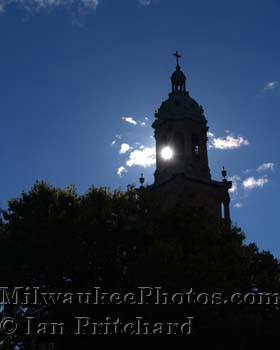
[179, 105]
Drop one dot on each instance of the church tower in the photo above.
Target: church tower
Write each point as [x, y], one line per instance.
[181, 151]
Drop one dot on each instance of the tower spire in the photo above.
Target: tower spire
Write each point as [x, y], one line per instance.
[182, 167]
[178, 56]
[178, 78]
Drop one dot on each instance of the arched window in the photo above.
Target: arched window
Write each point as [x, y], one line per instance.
[195, 145]
[179, 143]
[223, 210]
[163, 140]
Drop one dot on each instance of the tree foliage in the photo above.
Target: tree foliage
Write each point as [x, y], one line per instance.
[62, 242]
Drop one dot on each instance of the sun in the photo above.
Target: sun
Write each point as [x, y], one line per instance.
[167, 153]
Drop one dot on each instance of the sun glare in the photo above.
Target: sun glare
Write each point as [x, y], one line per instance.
[167, 153]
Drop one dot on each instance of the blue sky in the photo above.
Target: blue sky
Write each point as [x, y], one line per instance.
[81, 79]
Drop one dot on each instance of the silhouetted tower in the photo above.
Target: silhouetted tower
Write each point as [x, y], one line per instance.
[181, 150]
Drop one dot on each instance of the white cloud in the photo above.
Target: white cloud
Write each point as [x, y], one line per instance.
[210, 134]
[124, 148]
[238, 205]
[145, 2]
[228, 142]
[144, 157]
[251, 182]
[115, 141]
[39, 5]
[271, 85]
[121, 171]
[132, 121]
[235, 181]
[129, 120]
[266, 166]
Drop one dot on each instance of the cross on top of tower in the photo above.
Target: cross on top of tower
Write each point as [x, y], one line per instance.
[178, 56]
[178, 78]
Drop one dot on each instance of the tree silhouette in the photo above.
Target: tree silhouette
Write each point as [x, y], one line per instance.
[61, 242]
